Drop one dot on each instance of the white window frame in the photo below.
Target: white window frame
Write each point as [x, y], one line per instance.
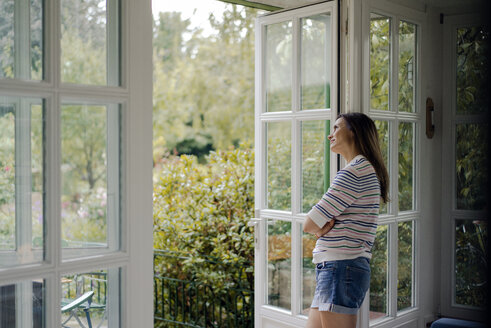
[397, 13]
[449, 212]
[267, 315]
[135, 257]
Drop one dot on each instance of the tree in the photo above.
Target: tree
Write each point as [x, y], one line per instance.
[203, 85]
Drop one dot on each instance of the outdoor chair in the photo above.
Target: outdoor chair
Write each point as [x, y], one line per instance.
[83, 302]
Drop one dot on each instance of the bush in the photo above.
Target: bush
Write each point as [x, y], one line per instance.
[201, 211]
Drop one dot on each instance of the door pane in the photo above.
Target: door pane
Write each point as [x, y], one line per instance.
[100, 288]
[21, 180]
[406, 158]
[90, 178]
[379, 61]
[472, 46]
[23, 304]
[316, 50]
[278, 165]
[405, 265]
[21, 39]
[308, 271]
[407, 66]
[89, 42]
[470, 165]
[383, 137]
[471, 237]
[315, 162]
[279, 67]
[279, 263]
[379, 274]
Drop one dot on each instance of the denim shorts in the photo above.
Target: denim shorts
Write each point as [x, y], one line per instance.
[341, 285]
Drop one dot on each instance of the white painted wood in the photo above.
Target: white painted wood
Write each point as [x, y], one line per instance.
[265, 315]
[135, 100]
[397, 12]
[138, 165]
[449, 211]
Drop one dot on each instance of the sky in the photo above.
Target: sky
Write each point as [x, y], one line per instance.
[197, 10]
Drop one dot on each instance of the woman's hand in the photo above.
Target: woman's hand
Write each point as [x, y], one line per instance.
[325, 229]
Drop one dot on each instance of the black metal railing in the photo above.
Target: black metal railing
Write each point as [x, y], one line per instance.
[193, 303]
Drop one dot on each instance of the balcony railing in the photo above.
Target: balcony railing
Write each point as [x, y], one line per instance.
[194, 303]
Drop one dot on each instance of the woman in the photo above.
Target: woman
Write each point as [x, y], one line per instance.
[345, 222]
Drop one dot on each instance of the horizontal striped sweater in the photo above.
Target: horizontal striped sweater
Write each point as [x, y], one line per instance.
[353, 201]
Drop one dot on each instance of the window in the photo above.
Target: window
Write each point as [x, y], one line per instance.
[393, 105]
[295, 107]
[464, 189]
[64, 159]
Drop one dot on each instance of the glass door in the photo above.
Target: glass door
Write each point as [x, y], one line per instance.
[296, 105]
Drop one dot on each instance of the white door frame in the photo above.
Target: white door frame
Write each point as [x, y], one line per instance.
[265, 315]
[449, 214]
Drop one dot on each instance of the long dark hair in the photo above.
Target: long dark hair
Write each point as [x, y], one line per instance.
[366, 141]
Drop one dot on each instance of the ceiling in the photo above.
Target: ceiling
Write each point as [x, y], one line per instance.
[418, 4]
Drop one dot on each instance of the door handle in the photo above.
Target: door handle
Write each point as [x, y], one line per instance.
[253, 222]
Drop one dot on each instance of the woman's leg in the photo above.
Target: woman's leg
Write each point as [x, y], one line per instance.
[314, 319]
[337, 320]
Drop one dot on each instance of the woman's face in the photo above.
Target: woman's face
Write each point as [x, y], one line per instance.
[341, 138]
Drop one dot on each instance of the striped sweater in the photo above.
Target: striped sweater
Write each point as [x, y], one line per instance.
[353, 201]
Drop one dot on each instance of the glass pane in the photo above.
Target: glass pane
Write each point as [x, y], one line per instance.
[100, 289]
[405, 266]
[279, 165]
[471, 237]
[379, 61]
[472, 47]
[21, 39]
[279, 67]
[315, 162]
[470, 164]
[308, 271]
[89, 42]
[383, 137]
[316, 58]
[279, 263]
[7, 177]
[406, 141]
[379, 273]
[23, 304]
[407, 66]
[21, 180]
[90, 178]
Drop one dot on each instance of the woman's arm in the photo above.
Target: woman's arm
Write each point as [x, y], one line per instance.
[310, 226]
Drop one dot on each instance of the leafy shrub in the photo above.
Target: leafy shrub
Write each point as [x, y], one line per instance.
[201, 211]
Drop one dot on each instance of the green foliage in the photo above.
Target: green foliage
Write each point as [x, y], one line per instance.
[472, 69]
[379, 63]
[379, 270]
[470, 166]
[279, 166]
[471, 238]
[200, 93]
[406, 164]
[8, 66]
[405, 265]
[7, 177]
[202, 210]
[407, 67]
[84, 183]
[83, 42]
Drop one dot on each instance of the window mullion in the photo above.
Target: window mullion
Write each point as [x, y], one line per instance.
[23, 177]
[393, 252]
[113, 54]
[22, 39]
[394, 65]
